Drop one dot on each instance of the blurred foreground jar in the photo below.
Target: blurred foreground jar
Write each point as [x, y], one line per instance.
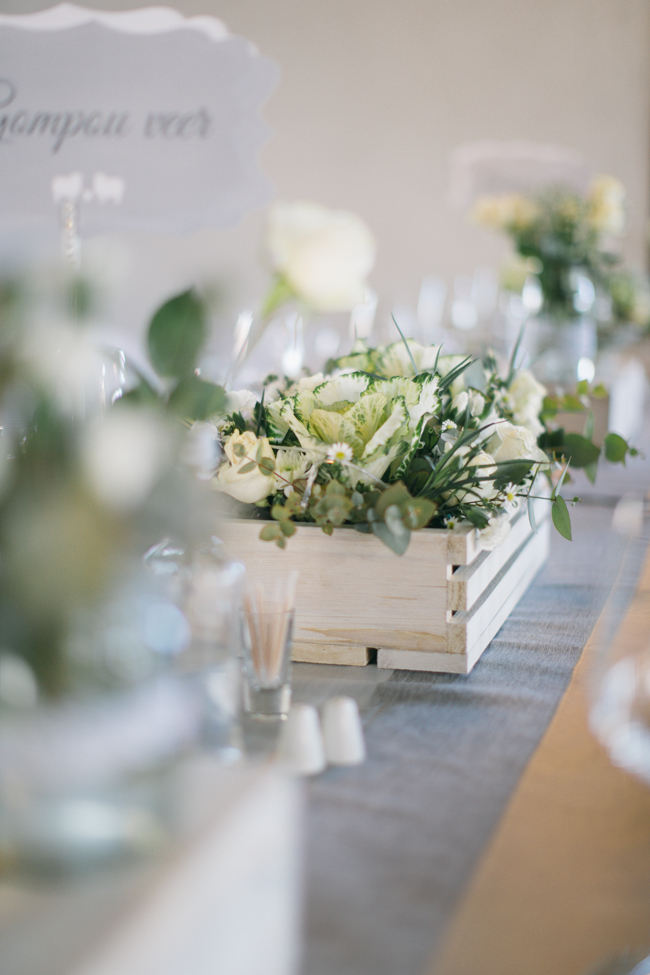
[85, 771]
[620, 686]
[208, 588]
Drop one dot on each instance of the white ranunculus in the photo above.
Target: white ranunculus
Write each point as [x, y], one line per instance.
[242, 401]
[469, 396]
[482, 489]
[497, 530]
[123, 455]
[252, 486]
[324, 255]
[527, 396]
[510, 442]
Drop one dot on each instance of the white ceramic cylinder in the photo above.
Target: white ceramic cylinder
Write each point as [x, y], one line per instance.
[301, 748]
[342, 732]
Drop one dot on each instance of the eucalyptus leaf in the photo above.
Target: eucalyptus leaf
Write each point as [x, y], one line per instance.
[397, 543]
[197, 399]
[512, 472]
[581, 451]
[615, 448]
[176, 335]
[396, 494]
[561, 517]
[141, 395]
[530, 505]
[551, 439]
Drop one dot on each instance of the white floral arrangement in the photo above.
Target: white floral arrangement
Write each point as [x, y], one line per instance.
[398, 438]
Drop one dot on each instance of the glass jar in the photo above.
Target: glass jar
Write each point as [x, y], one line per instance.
[85, 773]
[208, 588]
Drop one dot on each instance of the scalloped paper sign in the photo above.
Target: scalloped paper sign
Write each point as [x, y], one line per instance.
[149, 120]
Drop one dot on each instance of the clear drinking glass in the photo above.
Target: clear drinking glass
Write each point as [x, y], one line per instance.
[208, 587]
[620, 709]
[267, 628]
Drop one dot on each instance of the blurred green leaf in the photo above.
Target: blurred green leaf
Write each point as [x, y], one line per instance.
[398, 543]
[196, 399]
[176, 335]
[615, 448]
[512, 472]
[579, 450]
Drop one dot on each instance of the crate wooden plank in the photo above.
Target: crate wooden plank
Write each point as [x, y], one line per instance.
[351, 588]
[523, 566]
[431, 661]
[313, 653]
[484, 620]
[354, 593]
[468, 582]
[241, 538]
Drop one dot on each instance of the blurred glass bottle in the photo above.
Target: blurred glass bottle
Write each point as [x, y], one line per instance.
[208, 588]
[620, 710]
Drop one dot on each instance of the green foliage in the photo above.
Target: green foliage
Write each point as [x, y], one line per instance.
[175, 338]
[416, 451]
[196, 399]
[177, 333]
[580, 451]
[561, 517]
[616, 448]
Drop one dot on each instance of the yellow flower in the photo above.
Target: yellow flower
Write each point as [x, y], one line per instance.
[605, 203]
[506, 211]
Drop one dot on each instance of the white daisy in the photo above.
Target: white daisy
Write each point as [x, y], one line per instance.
[339, 453]
[510, 497]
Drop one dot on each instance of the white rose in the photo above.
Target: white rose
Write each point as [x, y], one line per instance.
[325, 255]
[497, 530]
[123, 455]
[482, 489]
[473, 398]
[510, 442]
[527, 396]
[253, 486]
[242, 401]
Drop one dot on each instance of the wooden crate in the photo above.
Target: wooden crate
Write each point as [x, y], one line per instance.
[435, 608]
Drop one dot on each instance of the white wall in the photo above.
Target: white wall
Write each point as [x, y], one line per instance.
[375, 94]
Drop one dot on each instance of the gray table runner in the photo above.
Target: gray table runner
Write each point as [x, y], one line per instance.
[391, 845]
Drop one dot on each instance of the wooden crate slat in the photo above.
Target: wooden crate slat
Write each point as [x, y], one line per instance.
[432, 661]
[354, 593]
[312, 653]
[316, 555]
[484, 620]
[468, 582]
